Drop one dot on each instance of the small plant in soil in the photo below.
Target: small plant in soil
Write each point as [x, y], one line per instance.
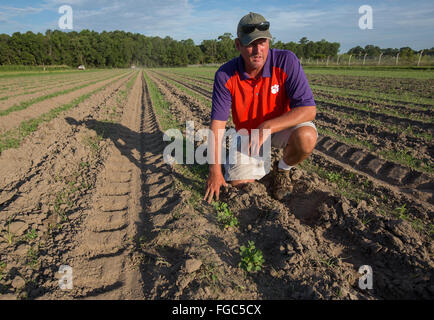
[402, 212]
[31, 235]
[224, 215]
[251, 258]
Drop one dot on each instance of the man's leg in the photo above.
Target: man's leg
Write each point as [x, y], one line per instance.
[299, 146]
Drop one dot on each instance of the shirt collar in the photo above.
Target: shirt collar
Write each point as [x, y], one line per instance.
[266, 70]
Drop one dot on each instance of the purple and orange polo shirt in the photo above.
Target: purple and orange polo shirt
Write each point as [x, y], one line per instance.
[282, 86]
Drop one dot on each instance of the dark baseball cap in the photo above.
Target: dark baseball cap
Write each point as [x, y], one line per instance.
[250, 20]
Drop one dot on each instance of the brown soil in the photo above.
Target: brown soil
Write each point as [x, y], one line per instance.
[419, 184]
[48, 186]
[93, 185]
[15, 118]
[418, 87]
[23, 94]
[313, 248]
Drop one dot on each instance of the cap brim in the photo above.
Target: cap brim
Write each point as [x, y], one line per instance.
[247, 39]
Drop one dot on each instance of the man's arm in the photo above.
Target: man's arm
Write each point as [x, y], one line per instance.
[290, 119]
[215, 178]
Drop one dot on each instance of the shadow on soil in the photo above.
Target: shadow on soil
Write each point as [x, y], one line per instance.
[396, 274]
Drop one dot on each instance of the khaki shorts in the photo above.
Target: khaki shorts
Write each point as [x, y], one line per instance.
[249, 168]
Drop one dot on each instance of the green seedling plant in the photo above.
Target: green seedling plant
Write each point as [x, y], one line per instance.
[224, 216]
[31, 235]
[10, 236]
[251, 258]
[402, 212]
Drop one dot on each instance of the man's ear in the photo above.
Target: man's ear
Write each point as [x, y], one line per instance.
[238, 44]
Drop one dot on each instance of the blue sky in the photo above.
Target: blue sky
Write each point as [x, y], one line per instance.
[396, 23]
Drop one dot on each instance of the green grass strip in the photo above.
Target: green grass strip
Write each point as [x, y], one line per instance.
[161, 106]
[195, 173]
[187, 90]
[13, 138]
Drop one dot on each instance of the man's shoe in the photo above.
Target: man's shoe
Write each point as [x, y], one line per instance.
[282, 185]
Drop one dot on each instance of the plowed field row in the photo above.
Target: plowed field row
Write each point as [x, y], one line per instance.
[416, 183]
[359, 117]
[412, 87]
[333, 237]
[47, 185]
[13, 119]
[24, 98]
[24, 85]
[91, 190]
[396, 114]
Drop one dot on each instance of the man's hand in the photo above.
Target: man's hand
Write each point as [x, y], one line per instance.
[215, 181]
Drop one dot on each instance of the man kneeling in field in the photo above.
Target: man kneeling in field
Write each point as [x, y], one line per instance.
[265, 89]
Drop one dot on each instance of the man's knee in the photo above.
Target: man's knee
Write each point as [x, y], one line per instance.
[303, 139]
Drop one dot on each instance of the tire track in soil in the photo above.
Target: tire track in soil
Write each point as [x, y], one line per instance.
[30, 188]
[14, 180]
[412, 182]
[103, 260]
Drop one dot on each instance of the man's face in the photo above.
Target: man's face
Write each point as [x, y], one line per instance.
[255, 54]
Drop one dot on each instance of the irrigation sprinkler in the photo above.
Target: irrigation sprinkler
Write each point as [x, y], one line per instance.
[338, 59]
[397, 57]
[349, 59]
[364, 58]
[327, 64]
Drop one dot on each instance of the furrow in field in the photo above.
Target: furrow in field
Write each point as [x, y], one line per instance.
[416, 125]
[28, 98]
[368, 125]
[21, 87]
[40, 150]
[396, 175]
[46, 190]
[13, 119]
[313, 242]
[377, 106]
[413, 87]
[404, 114]
[376, 139]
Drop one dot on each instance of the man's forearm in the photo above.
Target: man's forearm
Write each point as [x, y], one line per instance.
[291, 118]
[217, 128]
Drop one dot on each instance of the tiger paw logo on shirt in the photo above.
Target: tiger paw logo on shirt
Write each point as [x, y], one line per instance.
[275, 89]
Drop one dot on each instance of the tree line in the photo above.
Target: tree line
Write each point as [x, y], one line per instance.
[120, 49]
[375, 51]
